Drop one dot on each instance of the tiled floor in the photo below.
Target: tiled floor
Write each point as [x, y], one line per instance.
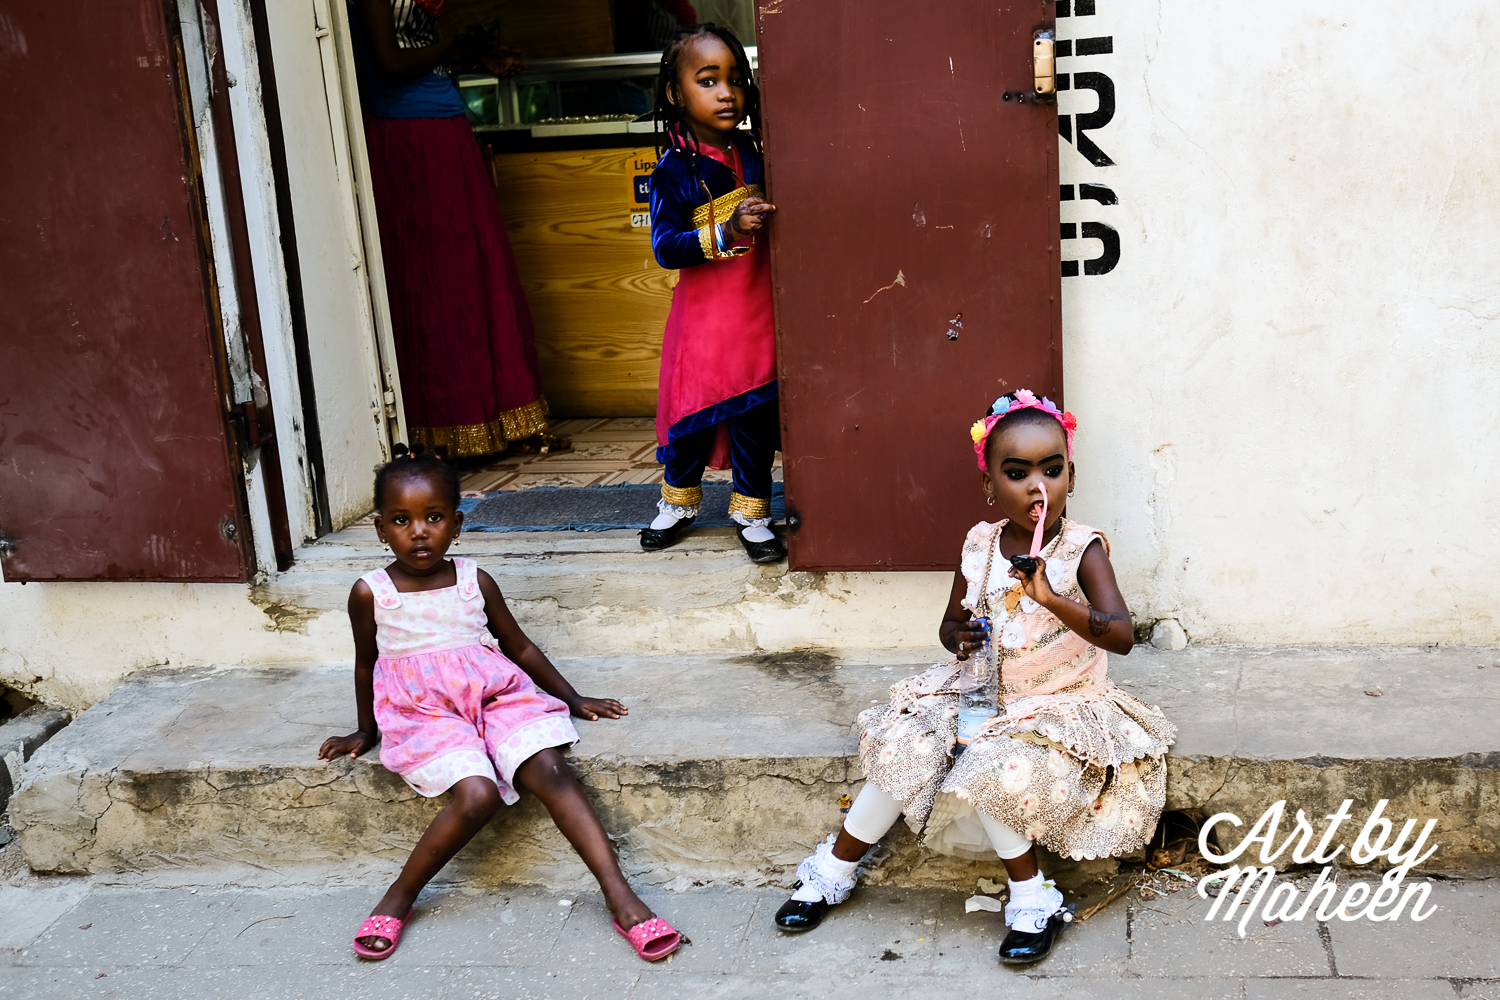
[607, 451]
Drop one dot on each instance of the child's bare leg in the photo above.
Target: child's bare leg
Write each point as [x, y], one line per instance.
[848, 847]
[1022, 868]
[548, 776]
[474, 802]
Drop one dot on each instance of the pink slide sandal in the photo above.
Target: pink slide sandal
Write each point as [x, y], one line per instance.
[652, 939]
[379, 926]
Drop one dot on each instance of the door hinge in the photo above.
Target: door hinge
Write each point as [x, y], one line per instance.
[253, 423]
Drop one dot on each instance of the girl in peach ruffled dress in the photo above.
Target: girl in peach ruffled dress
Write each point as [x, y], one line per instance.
[1067, 760]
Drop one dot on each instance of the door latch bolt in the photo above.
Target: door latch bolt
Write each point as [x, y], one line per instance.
[1044, 63]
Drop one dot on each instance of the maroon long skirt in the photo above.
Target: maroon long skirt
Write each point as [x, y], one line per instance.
[463, 332]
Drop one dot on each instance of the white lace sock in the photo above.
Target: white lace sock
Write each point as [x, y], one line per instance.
[753, 529]
[671, 513]
[1032, 903]
[825, 877]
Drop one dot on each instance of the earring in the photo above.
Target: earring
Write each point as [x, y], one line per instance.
[456, 541]
[989, 499]
[386, 546]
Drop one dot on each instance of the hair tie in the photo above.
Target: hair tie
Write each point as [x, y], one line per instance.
[1023, 399]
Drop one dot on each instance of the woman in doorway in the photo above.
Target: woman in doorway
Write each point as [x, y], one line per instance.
[463, 333]
[717, 402]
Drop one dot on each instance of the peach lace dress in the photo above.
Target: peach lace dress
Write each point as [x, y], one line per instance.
[1073, 761]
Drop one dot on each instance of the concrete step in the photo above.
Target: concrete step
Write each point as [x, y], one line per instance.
[596, 593]
[729, 768]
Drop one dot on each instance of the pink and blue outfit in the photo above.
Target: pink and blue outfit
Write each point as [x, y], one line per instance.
[449, 704]
[717, 400]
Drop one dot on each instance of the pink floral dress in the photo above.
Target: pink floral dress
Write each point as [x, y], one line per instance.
[448, 702]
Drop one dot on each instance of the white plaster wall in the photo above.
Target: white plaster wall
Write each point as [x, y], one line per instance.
[70, 644]
[1288, 388]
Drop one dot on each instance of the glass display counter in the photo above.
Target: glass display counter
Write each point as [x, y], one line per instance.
[591, 95]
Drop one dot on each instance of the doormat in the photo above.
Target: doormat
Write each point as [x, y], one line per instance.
[594, 508]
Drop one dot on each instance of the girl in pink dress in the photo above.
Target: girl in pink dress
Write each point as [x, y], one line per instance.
[459, 698]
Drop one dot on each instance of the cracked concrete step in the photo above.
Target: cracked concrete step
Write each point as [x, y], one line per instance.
[21, 737]
[727, 768]
[595, 593]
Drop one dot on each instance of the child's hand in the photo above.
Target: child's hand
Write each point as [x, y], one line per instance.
[593, 708]
[963, 638]
[750, 216]
[354, 744]
[1036, 585]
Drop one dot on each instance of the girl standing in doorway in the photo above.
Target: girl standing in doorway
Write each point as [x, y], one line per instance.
[717, 401]
[469, 377]
[1057, 754]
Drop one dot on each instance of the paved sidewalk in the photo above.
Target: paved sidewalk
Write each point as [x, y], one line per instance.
[73, 937]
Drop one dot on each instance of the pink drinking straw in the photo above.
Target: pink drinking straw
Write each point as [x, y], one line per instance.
[1041, 525]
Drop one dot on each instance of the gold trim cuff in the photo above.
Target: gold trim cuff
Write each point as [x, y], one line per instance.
[753, 508]
[725, 204]
[680, 496]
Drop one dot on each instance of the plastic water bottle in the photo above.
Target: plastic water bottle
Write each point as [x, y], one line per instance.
[976, 702]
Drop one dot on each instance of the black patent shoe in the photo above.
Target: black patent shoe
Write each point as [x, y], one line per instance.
[772, 550]
[796, 916]
[1023, 947]
[659, 538]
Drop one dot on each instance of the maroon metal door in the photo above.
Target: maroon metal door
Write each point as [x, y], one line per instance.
[915, 261]
[115, 461]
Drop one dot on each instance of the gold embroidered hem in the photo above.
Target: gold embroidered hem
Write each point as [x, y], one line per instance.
[682, 496]
[752, 508]
[488, 438]
[706, 241]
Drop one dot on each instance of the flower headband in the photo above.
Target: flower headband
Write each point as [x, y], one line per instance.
[1022, 399]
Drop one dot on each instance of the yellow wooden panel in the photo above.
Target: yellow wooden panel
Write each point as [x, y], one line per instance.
[598, 297]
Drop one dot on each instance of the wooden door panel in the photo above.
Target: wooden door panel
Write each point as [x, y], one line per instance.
[115, 462]
[915, 261]
[598, 298]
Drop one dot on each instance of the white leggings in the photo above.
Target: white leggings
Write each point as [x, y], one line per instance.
[875, 811]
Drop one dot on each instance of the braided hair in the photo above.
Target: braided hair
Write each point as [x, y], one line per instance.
[413, 463]
[667, 117]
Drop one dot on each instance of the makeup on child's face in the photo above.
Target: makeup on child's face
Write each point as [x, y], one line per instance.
[1024, 460]
[709, 87]
[418, 521]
